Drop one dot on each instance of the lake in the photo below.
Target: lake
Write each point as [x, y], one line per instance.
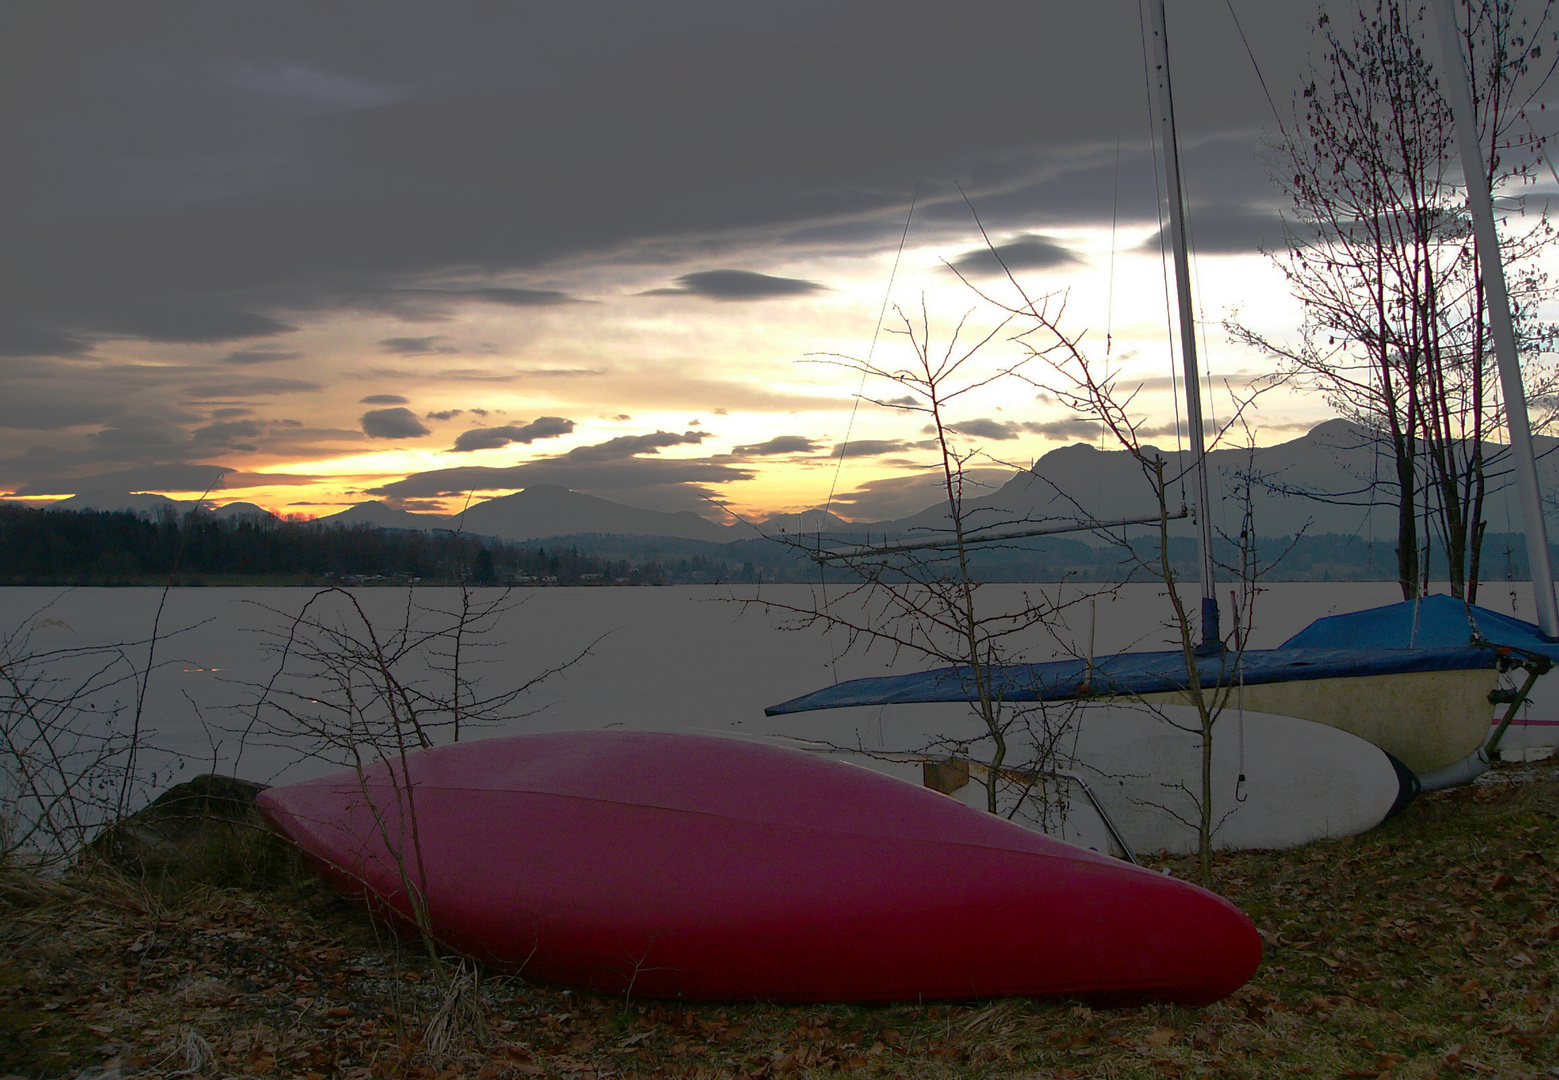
[679, 657]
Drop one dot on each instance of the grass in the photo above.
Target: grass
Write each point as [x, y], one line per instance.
[1426, 948]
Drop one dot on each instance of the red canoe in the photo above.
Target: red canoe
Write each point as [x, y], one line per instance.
[689, 866]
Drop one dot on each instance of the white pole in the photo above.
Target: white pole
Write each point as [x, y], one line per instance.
[1481, 205]
[1193, 379]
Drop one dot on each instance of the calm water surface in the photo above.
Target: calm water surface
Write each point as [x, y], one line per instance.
[647, 657]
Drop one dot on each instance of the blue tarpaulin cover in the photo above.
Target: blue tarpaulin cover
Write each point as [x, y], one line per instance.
[1434, 634]
[1431, 623]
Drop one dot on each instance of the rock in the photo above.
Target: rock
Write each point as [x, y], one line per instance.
[207, 828]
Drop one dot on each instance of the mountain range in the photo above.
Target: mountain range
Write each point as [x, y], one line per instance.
[1320, 483]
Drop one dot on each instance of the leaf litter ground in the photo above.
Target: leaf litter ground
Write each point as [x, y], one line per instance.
[1425, 948]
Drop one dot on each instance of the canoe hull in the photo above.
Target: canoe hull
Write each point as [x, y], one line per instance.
[681, 866]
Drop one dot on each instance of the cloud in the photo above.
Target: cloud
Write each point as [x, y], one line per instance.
[622, 475]
[508, 296]
[1226, 230]
[393, 424]
[260, 355]
[443, 414]
[625, 446]
[255, 387]
[1005, 430]
[1067, 431]
[315, 168]
[871, 448]
[180, 321]
[139, 432]
[19, 339]
[50, 408]
[996, 430]
[304, 88]
[887, 498]
[1028, 252]
[901, 496]
[146, 478]
[737, 285]
[611, 465]
[782, 444]
[543, 427]
[230, 434]
[417, 346]
[384, 399]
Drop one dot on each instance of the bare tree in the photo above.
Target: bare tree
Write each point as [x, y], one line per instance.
[1210, 676]
[923, 596]
[1379, 253]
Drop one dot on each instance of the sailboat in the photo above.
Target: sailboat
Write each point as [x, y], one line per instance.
[1418, 679]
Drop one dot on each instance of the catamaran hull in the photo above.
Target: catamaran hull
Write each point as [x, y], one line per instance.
[679, 866]
[1128, 778]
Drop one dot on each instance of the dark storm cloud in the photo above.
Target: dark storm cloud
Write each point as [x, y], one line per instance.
[393, 424]
[199, 173]
[384, 399]
[196, 174]
[737, 285]
[782, 444]
[543, 427]
[1030, 252]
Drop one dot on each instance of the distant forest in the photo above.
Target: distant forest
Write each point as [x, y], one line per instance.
[87, 547]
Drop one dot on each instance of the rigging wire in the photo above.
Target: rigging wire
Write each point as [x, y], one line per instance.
[1115, 205]
[882, 312]
[1163, 251]
[898, 255]
[1256, 68]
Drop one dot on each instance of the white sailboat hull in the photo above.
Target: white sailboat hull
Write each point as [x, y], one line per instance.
[1136, 770]
[1425, 719]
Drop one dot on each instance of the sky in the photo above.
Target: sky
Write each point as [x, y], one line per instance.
[310, 255]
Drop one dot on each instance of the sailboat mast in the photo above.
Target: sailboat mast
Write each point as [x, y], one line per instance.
[1481, 205]
[1193, 380]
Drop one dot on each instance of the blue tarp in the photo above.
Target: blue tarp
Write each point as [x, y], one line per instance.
[1434, 634]
[1431, 623]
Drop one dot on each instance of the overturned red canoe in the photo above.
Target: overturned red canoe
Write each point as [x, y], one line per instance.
[688, 866]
